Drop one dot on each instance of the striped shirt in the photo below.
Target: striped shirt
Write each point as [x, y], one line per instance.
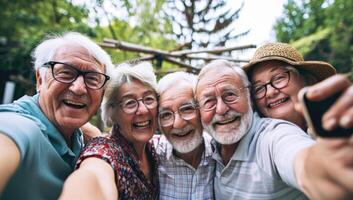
[178, 179]
[262, 167]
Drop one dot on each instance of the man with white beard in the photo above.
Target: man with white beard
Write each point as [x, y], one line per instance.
[262, 158]
[186, 167]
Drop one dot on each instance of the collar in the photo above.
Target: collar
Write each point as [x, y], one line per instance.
[28, 106]
[242, 151]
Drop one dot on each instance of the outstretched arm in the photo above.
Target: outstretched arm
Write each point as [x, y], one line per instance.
[93, 180]
[325, 170]
[9, 159]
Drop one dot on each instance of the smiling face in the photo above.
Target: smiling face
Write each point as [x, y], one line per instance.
[140, 126]
[69, 106]
[278, 103]
[184, 135]
[227, 123]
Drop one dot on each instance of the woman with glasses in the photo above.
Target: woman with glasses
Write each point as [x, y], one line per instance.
[123, 164]
[277, 72]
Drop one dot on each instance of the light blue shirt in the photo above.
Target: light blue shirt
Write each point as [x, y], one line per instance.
[46, 160]
[262, 167]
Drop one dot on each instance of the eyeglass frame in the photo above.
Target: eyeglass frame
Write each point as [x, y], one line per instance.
[270, 82]
[120, 104]
[241, 89]
[194, 105]
[79, 72]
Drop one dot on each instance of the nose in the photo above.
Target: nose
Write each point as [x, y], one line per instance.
[141, 109]
[271, 91]
[178, 121]
[78, 86]
[221, 107]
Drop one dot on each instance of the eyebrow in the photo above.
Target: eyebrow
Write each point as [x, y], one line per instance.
[132, 95]
[190, 102]
[272, 70]
[84, 66]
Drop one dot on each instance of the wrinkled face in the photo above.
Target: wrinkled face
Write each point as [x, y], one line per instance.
[227, 123]
[277, 103]
[137, 127]
[69, 106]
[184, 134]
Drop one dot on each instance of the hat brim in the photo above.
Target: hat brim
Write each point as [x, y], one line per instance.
[321, 70]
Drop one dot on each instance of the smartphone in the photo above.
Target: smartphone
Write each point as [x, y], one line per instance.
[313, 112]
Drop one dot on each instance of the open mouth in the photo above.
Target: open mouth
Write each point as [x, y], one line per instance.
[73, 104]
[277, 103]
[228, 121]
[183, 133]
[142, 125]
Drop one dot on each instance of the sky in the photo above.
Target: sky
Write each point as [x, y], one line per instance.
[259, 16]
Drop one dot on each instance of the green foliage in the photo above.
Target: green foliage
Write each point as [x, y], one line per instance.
[149, 29]
[321, 29]
[24, 23]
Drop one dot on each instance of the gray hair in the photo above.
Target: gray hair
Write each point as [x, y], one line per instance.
[47, 49]
[171, 79]
[306, 76]
[125, 73]
[224, 63]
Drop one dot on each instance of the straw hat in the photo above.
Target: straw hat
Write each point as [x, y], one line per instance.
[288, 54]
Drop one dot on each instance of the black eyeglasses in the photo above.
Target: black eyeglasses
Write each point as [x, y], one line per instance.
[130, 105]
[278, 81]
[187, 112]
[66, 73]
[228, 96]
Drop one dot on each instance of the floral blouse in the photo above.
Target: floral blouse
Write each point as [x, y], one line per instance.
[120, 154]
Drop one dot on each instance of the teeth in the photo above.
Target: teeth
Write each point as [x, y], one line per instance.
[226, 121]
[277, 102]
[142, 123]
[74, 103]
[182, 133]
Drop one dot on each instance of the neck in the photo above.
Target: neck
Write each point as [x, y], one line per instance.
[227, 151]
[299, 121]
[193, 158]
[140, 151]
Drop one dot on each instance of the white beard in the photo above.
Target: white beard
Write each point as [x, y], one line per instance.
[186, 146]
[238, 132]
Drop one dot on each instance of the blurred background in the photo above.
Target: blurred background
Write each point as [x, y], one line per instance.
[173, 34]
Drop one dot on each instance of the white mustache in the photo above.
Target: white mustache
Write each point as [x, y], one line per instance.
[228, 115]
[183, 130]
[70, 95]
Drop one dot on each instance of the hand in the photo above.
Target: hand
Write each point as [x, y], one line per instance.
[341, 112]
[90, 131]
[329, 169]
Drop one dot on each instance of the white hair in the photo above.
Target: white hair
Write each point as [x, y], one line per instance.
[173, 78]
[224, 63]
[47, 49]
[125, 73]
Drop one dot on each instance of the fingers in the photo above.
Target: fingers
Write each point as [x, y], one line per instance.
[341, 112]
[328, 87]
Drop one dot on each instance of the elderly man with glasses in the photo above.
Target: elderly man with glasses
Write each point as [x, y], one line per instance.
[186, 166]
[40, 138]
[263, 158]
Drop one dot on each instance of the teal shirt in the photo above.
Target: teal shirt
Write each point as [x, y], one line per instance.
[46, 160]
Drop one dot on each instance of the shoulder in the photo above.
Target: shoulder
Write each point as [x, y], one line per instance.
[22, 130]
[275, 128]
[103, 147]
[161, 144]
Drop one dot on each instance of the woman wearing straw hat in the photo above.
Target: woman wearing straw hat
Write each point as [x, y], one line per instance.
[278, 71]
